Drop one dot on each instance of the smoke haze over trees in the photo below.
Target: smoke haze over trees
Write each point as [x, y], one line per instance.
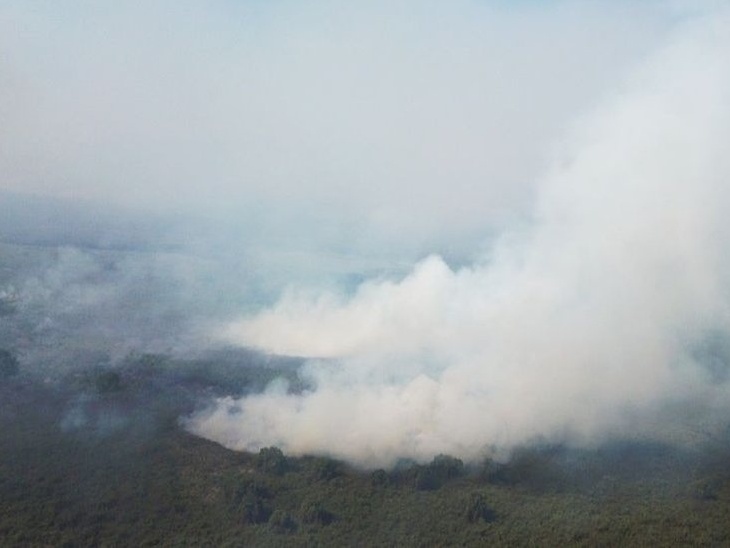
[480, 224]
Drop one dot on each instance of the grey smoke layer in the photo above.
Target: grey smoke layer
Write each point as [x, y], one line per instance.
[534, 194]
[369, 128]
[600, 317]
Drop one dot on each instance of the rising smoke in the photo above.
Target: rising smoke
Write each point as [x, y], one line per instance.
[533, 192]
[590, 321]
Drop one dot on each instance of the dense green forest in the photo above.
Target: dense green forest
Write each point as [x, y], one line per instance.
[94, 450]
[99, 457]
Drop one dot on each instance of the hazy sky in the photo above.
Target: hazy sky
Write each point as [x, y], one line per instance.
[568, 159]
[418, 125]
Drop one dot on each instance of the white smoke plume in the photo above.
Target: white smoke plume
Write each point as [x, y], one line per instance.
[585, 322]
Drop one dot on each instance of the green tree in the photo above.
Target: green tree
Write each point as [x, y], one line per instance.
[8, 364]
[314, 512]
[282, 522]
[272, 461]
[325, 469]
[249, 499]
[441, 469]
[379, 478]
[477, 509]
[108, 382]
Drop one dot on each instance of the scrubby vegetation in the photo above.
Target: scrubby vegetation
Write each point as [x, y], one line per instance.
[93, 453]
[101, 459]
[8, 364]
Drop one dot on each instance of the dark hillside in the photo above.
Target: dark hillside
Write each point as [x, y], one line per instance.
[102, 460]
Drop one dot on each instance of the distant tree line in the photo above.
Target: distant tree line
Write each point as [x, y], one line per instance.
[9, 365]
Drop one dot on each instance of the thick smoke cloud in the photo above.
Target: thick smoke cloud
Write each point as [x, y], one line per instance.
[559, 165]
[601, 316]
